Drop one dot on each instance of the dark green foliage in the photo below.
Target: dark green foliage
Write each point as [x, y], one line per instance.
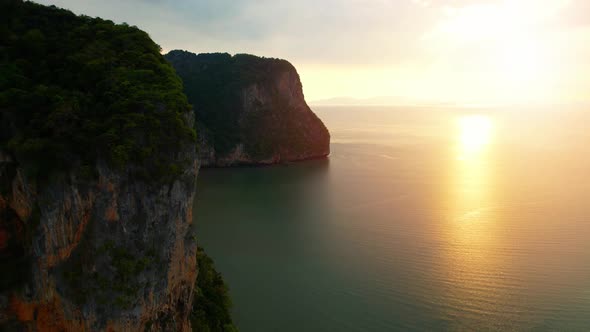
[211, 303]
[75, 89]
[125, 282]
[213, 84]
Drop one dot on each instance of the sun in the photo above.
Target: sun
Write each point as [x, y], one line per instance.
[474, 134]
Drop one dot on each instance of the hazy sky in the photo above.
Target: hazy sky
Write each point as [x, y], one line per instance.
[460, 51]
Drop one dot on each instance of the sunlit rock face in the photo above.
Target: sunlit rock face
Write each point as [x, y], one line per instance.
[251, 110]
[115, 254]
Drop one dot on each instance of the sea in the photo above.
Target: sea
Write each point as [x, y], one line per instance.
[421, 219]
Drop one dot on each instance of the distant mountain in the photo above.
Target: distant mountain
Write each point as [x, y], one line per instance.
[343, 101]
[404, 101]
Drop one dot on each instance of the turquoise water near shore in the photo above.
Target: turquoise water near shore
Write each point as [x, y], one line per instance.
[420, 219]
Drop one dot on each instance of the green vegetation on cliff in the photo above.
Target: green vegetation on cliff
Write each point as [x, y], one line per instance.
[76, 93]
[214, 82]
[211, 304]
[252, 102]
[75, 89]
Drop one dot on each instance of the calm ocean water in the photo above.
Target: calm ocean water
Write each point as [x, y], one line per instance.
[421, 219]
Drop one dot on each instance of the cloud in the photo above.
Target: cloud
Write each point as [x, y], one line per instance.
[440, 48]
[329, 31]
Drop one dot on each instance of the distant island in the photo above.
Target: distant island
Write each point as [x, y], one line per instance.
[249, 110]
[350, 101]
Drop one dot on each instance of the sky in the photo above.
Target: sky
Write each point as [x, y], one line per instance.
[416, 51]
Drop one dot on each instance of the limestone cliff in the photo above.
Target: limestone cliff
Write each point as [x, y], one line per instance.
[251, 110]
[97, 176]
[112, 254]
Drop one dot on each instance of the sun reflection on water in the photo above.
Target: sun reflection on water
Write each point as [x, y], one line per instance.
[470, 223]
[471, 171]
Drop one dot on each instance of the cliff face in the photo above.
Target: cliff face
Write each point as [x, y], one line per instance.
[251, 110]
[114, 254]
[97, 176]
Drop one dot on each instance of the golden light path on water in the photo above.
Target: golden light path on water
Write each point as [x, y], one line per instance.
[471, 178]
[471, 171]
[470, 226]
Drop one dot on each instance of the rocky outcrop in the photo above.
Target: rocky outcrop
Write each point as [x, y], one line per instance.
[98, 167]
[251, 109]
[115, 254]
